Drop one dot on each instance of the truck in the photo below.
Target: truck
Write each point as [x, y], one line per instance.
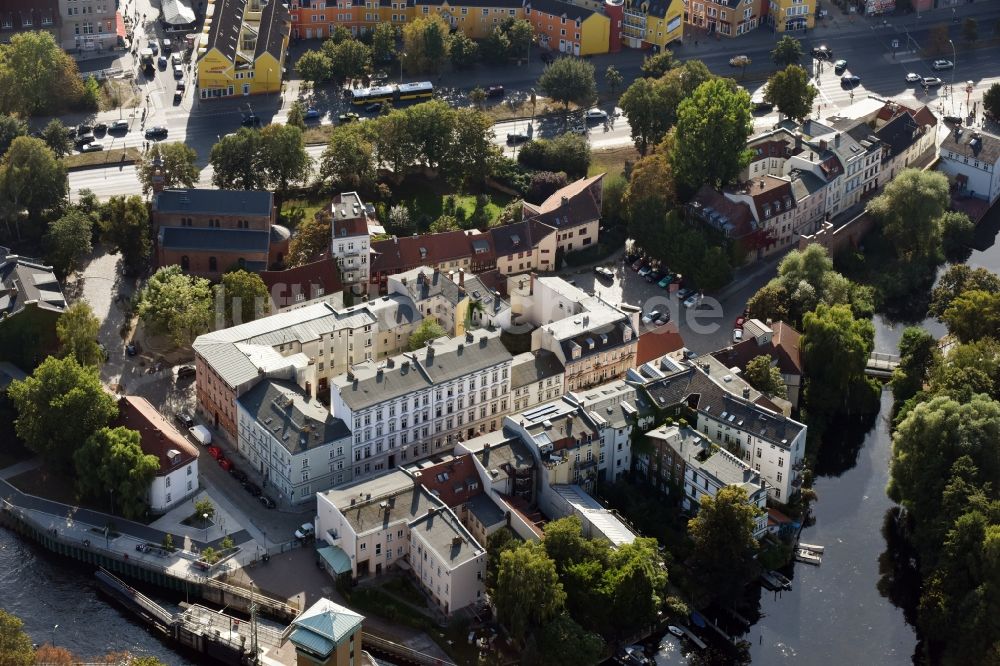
[201, 434]
[146, 56]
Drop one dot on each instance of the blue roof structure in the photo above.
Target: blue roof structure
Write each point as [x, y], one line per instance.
[217, 202]
[324, 626]
[220, 240]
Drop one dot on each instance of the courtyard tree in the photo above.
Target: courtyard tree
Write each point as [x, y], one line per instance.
[68, 240]
[125, 226]
[112, 459]
[77, 330]
[176, 304]
[655, 66]
[791, 92]
[244, 297]
[314, 66]
[429, 329]
[528, 592]
[15, 644]
[788, 51]
[471, 154]
[178, 166]
[764, 377]
[349, 59]
[713, 125]
[569, 80]
[235, 162]
[282, 156]
[431, 127]
[723, 544]
[58, 407]
[311, 240]
[11, 127]
[835, 350]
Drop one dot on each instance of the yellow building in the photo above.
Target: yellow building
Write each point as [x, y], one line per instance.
[792, 15]
[242, 48]
[476, 18]
[652, 23]
[568, 28]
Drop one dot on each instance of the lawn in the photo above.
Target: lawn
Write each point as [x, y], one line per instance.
[317, 135]
[61, 487]
[612, 161]
[102, 157]
[294, 211]
[426, 201]
[406, 591]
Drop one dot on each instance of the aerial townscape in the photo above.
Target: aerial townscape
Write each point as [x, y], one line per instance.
[498, 332]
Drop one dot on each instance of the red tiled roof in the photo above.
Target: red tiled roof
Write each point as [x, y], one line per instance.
[657, 342]
[569, 206]
[450, 480]
[311, 280]
[738, 213]
[784, 349]
[157, 435]
[771, 195]
[399, 254]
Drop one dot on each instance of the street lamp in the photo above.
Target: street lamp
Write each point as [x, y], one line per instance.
[969, 87]
[204, 517]
[954, 64]
[402, 55]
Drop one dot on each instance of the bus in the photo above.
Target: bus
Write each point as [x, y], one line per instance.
[392, 93]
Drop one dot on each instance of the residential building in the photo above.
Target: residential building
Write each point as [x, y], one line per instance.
[905, 140]
[791, 15]
[242, 48]
[475, 18]
[177, 475]
[291, 440]
[436, 295]
[455, 481]
[506, 466]
[315, 282]
[17, 16]
[780, 342]
[568, 28]
[31, 301]
[524, 246]
[616, 409]
[871, 161]
[733, 219]
[574, 211]
[597, 522]
[208, 232]
[772, 205]
[415, 405]
[450, 250]
[327, 634]
[655, 25]
[732, 413]
[493, 310]
[971, 160]
[536, 377]
[85, 26]
[686, 460]
[396, 317]
[350, 244]
[392, 519]
[729, 18]
[658, 341]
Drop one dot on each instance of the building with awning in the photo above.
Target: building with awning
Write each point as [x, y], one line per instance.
[334, 560]
[177, 15]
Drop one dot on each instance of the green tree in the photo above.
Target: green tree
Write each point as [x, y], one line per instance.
[90, 100]
[502, 540]
[428, 330]
[613, 79]
[426, 44]
[464, 51]
[445, 223]
[11, 127]
[77, 329]
[569, 80]
[236, 161]
[477, 95]
[15, 645]
[970, 30]
[349, 158]
[528, 592]
[176, 304]
[204, 507]
[178, 166]
[563, 642]
[957, 280]
[393, 141]
[68, 240]
[296, 116]
[835, 350]
[32, 178]
[567, 152]
[650, 193]
[764, 377]
[314, 66]
[125, 226]
[909, 211]
[791, 92]
[37, 76]
[338, 35]
[918, 353]
[655, 66]
[723, 544]
[973, 315]
[957, 235]
[56, 137]
[651, 104]
[383, 42]
[991, 101]
[713, 125]
[282, 156]
[496, 47]
[59, 406]
[770, 302]
[471, 154]
[399, 219]
[350, 59]
[112, 459]
[432, 125]
[788, 51]
[637, 583]
[244, 296]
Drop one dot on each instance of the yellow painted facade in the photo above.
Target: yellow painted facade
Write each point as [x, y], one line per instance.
[656, 23]
[253, 64]
[475, 22]
[595, 33]
[792, 15]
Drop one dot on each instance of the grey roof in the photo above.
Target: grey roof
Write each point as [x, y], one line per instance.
[600, 340]
[224, 32]
[485, 510]
[447, 536]
[297, 422]
[806, 182]
[731, 471]
[692, 387]
[324, 626]
[898, 134]
[275, 25]
[981, 146]
[9, 373]
[386, 500]
[531, 367]
[614, 403]
[208, 239]
[506, 451]
[425, 283]
[556, 8]
[394, 310]
[214, 202]
[23, 280]
[493, 302]
[697, 451]
[442, 360]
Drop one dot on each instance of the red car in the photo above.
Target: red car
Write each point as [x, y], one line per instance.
[215, 452]
[225, 464]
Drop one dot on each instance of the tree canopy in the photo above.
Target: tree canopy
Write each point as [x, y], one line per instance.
[651, 104]
[835, 350]
[764, 377]
[178, 168]
[429, 329]
[788, 51]
[426, 44]
[723, 543]
[311, 240]
[59, 406]
[349, 158]
[15, 645]
[32, 178]
[991, 101]
[37, 76]
[569, 80]
[125, 226]
[957, 280]
[974, 315]
[528, 592]
[77, 330]
[909, 211]
[112, 459]
[68, 240]
[567, 152]
[176, 304]
[791, 91]
[244, 295]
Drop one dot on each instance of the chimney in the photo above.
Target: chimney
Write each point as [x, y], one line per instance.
[378, 374]
[420, 277]
[350, 375]
[836, 139]
[746, 392]
[456, 541]
[461, 277]
[798, 142]
[565, 200]
[822, 144]
[469, 337]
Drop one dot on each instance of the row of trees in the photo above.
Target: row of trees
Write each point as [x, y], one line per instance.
[269, 158]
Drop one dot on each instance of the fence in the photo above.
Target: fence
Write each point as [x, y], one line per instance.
[379, 644]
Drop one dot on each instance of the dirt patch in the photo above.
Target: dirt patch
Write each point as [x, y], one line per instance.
[612, 161]
[117, 93]
[522, 108]
[112, 157]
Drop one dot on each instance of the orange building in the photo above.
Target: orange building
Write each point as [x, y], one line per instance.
[561, 26]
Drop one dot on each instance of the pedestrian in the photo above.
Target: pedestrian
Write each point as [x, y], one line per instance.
[696, 42]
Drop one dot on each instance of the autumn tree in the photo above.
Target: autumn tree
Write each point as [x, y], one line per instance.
[311, 240]
[426, 44]
[176, 162]
[15, 645]
[77, 330]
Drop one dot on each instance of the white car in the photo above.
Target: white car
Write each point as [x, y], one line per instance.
[913, 77]
[596, 114]
[304, 531]
[651, 316]
[691, 301]
[176, 59]
[939, 65]
[737, 334]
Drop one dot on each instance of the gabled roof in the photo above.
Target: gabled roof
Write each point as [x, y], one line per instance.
[783, 349]
[898, 134]
[518, 237]
[569, 206]
[453, 481]
[530, 367]
[349, 217]
[311, 280]
[214, 202]
[275, 26]
[771, 195]
[298, 422]
[658, 342]
[980, 146]
[23, 280]
[224, 31]
[398, 254]
[157, 436]
[206, 239]
[424, 283]
[455, 4]
[324, 626]
[556, 8]
[734, 218]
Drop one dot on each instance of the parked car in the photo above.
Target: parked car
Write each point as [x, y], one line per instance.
[941, 65]
[737, 334]
[654, 276]
[253, 489]
[84, 129]
[495, 91]
[644, 271]
[739, 61]
[840, 67]
[374, 107]
[186, 420]
[596, 114]
[101, 128]
[215, 452]
[691, 301]
[225, 464]
[131, 349]
[638, 263]
[913, 77]
[186, 371]
[156, 133]
[239, 475]
[250, 120]
[179, 92]
[118, 126]
[665, 281]
[178, 72]
[83, 139]
[953, 120]
[516, 137]
[161, 62]
[651, 316]
[312, 113]
[92, 147]
[305, 531]
[822, 53]
[167, 45]
[154, 47]
[176, 59]
[268, 502]
[852, 81]
[345, 118]
[684, 293]
[663, 318]
[603, 272]
[930, 82]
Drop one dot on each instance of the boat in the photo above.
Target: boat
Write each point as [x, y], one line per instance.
[634, 655]
[676, 631]
[785, 583]
[769, 581]
[807, 556]
[815, 549]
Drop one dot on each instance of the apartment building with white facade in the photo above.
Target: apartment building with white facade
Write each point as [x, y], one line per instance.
[415, 405]
[971, 160]
[350, 243]
[382, 522]
[435, 294]
[616, 408]
[291, 440]
[536, 377]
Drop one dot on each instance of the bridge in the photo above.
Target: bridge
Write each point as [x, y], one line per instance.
[881, 365]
